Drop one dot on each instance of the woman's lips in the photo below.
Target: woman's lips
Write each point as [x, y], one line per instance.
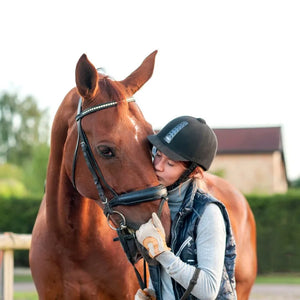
[159, 179]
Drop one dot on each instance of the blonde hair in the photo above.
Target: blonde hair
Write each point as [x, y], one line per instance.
[198, 175]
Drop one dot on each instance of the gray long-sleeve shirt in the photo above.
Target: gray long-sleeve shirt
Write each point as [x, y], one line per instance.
[210, 244]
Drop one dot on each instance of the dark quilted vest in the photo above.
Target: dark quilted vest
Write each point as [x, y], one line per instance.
[183, 243]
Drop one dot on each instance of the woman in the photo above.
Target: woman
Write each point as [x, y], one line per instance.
[199, 264]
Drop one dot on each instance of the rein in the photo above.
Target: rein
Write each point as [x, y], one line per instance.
[126, 235]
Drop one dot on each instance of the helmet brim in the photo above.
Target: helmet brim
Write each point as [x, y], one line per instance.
[163, 147]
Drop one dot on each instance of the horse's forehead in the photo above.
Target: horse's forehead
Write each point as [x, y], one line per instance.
[116, 125]
[132, 127]
[136, 127]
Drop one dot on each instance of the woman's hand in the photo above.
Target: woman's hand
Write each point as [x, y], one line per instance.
[152, 236]
[145, 294]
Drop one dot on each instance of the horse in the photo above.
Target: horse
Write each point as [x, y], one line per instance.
[99, 178]
[73, 254]
[244, 230]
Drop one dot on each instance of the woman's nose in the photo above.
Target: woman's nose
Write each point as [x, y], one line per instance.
[158, 165]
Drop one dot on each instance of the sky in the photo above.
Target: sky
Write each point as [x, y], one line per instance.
[233, 63]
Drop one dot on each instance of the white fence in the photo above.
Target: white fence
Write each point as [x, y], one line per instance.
[8, 243]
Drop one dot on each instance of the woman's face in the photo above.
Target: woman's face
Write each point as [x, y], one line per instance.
[167, 170]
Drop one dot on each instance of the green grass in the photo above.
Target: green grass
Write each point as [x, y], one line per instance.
[289, 278]
[25, 296]
[22, 278]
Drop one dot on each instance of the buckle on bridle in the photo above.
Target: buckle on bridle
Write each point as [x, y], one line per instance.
[122, 223]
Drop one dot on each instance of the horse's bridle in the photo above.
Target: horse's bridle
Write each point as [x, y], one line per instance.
[126, 235]
[131, 198]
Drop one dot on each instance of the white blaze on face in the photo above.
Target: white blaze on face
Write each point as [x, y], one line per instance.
[136, 128]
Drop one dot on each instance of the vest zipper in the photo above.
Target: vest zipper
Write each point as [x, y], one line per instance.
[189, 238]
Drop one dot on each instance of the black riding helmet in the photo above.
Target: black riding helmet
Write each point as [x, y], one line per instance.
[187, 139]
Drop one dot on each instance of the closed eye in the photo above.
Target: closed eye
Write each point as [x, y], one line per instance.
[105, 151]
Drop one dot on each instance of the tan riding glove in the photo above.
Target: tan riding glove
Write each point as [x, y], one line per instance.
[146, 294]
[152, 236]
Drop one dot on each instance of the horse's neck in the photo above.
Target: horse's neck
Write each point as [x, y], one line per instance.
[67, 212]
[71, 216]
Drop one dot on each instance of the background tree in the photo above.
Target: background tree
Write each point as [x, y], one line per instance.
[24, 134]
[35, 170]
[8, 104]
[11, 182]
[22, 126]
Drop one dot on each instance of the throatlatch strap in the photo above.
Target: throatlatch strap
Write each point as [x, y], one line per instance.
[192, 283]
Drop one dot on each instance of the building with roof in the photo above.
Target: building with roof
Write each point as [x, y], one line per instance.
[252, 159]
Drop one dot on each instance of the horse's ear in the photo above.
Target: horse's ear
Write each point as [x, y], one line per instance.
[86, 77]
[141, 75]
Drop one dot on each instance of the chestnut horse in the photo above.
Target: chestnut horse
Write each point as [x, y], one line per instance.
[73, 255]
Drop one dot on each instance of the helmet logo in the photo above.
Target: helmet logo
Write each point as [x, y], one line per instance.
[171, 134]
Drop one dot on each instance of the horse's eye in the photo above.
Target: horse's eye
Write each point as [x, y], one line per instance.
[105, 151]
